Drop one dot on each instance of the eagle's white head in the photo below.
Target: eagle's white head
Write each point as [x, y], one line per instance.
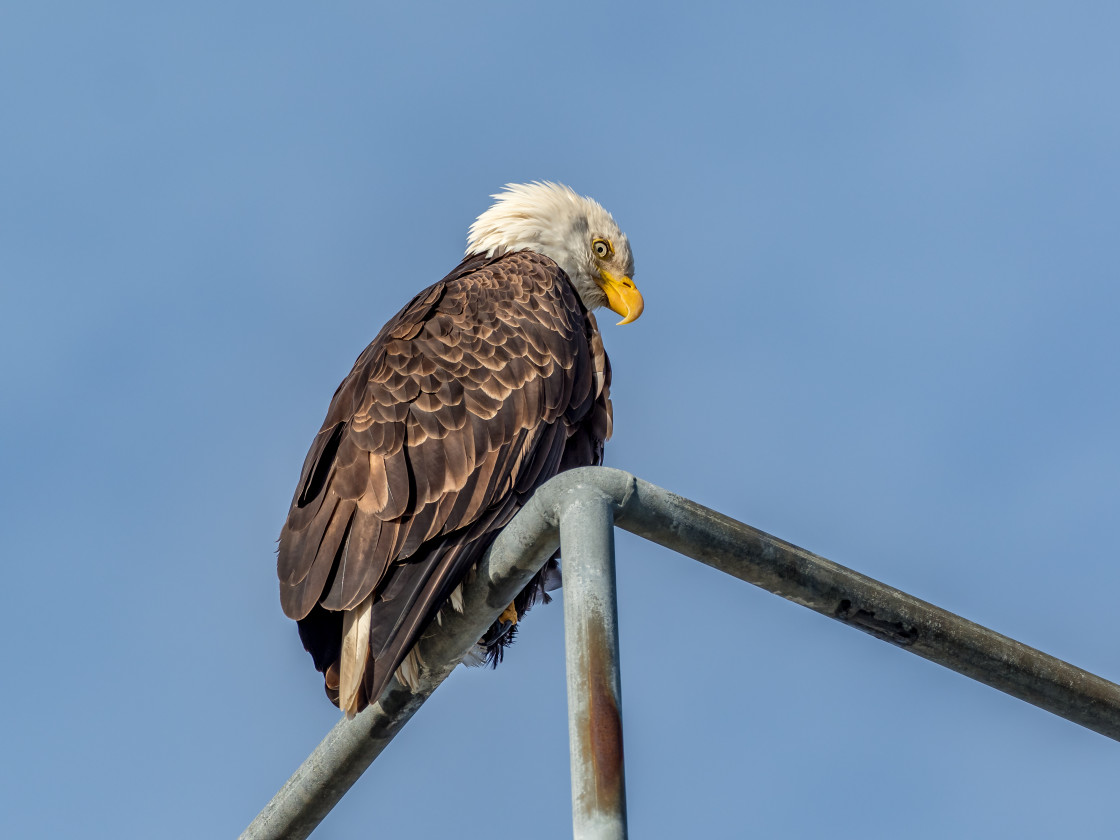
[572, 230]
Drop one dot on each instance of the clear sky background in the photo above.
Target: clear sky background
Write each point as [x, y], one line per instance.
[878, 246]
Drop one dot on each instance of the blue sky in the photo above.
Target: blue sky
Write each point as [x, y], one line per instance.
[878, 248]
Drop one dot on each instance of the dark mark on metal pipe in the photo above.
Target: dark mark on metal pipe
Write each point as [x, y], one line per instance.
[894, 632]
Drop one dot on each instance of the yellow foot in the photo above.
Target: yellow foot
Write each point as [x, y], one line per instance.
[510, 615]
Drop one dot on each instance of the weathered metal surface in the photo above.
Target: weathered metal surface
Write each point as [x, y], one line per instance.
[718, 541]
[873, 607]
[591, 652]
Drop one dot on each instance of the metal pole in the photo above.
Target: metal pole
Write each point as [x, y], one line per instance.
[718, 541]
[591, 651]
[866, 604]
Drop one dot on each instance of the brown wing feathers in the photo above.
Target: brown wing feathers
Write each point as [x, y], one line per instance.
[483, 387]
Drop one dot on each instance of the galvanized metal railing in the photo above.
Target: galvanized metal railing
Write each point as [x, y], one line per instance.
[578, 510]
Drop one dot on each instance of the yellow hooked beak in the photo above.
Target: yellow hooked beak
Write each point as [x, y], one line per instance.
[623, 296]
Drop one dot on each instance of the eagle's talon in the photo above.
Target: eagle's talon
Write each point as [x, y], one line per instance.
[509, 615]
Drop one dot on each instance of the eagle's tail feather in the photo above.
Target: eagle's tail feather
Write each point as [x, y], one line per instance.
[354, 656]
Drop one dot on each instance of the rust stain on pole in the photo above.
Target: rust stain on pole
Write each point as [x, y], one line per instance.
[591, 652]
[604, 724]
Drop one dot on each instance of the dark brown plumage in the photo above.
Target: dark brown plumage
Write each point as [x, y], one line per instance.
[482, 388]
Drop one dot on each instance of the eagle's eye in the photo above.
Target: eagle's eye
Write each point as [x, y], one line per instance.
[602, 248]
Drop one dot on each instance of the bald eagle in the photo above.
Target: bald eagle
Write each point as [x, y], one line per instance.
[479, 390]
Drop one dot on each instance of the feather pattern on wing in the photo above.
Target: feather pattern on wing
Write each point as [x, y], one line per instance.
[481, 389]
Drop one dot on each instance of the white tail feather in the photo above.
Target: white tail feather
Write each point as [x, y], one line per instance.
[457, 598]
[409, 671]
[355, 654]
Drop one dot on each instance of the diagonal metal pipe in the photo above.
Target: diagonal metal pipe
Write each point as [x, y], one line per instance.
[715, 540]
